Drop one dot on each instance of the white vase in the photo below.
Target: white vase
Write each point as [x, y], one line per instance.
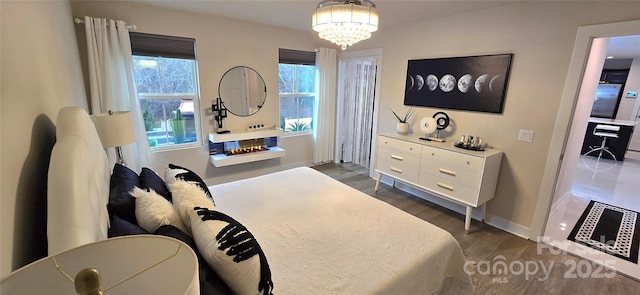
[402, 128]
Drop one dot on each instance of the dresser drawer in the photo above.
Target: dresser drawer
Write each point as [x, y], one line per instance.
[398, 158]
[454, 190]
[451, 172]
[398, 170]
[400, 145]
[458, 159]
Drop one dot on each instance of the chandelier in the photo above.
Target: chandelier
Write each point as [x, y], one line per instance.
[345, 22]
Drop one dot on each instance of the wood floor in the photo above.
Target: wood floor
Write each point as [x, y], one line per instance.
[527, 262]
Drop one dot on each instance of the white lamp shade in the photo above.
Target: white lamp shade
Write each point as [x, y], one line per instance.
[140, 264]
[115, 129]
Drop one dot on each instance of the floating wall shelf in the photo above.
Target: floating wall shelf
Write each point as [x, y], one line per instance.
[221, 160]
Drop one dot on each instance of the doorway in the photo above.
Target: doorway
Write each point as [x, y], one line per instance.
[358, 74]
[579, 179]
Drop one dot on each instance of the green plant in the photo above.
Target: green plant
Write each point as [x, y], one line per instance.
[147, 116]
[298, 126]
[406, 116]
[178, 127]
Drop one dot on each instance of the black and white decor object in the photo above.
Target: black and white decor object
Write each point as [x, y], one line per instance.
[609, 229]
[474, 143]
[472, 83]
[219, 113]
[439, 121]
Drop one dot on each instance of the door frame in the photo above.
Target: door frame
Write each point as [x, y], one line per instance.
[569, 99]
[376, 99]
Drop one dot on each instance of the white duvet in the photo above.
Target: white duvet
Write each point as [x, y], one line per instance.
[323, 237]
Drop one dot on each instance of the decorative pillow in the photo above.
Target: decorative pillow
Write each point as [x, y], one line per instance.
[149, 179]
[190, 195]
[121, 227]
[210, 281]
[225, 244]
[176, 172]
[154, 211]
[121, 203]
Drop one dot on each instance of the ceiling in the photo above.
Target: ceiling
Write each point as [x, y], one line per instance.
[296, 14]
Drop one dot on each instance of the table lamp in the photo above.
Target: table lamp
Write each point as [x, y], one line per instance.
[115, 130]
[140, 264]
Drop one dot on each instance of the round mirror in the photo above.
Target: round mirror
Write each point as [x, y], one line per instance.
[242, 90]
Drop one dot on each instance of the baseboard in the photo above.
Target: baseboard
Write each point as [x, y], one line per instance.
[493, 220]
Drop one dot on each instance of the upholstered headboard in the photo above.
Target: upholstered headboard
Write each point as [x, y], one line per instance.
[78, 183]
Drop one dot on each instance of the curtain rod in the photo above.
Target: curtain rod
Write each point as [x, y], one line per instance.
[78, 20]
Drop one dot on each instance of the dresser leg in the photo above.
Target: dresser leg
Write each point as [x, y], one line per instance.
[484, 211]
[375, 190]
[467, 220]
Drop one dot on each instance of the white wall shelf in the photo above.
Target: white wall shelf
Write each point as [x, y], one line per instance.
[233, 136]
[222, 160]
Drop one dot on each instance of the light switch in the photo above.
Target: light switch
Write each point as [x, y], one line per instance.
[525, 135]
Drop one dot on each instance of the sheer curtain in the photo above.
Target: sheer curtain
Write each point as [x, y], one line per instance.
[325, 106]
[111, 83]
[356, 97]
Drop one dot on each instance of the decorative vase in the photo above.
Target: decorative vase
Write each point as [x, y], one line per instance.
[402, 128]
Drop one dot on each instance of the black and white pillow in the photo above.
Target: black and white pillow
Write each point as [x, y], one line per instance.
[174, 172]
[225, 244]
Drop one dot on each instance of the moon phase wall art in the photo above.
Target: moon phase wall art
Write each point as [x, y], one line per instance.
[470, 83]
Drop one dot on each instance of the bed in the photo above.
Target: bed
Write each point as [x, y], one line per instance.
[318, 235]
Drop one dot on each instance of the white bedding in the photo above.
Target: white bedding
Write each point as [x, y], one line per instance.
[323, 237]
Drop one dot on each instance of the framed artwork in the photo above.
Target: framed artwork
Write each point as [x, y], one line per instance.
[470, 83]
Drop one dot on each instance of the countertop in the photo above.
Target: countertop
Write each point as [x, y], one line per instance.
[613, 121]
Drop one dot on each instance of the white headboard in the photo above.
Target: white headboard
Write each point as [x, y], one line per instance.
[78, 183]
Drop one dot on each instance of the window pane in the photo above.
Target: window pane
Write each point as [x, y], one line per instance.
[287, 77]
[176, 75]
[146, 74]
[161, 122]
[296, 113]
[305, 78]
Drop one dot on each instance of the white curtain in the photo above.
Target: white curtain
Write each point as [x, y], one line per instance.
[325, 106]
[355, 119]
[111, 83]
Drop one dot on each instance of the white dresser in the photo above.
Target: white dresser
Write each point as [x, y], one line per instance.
[463, 176]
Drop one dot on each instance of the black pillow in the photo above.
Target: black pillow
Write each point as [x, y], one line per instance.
[149, 179]
[121, 204]
[192, 177]
[210, 282]
[121, 227]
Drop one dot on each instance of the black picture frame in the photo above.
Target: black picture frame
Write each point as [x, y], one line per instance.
[469, 83]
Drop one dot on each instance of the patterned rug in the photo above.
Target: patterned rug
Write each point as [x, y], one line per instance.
[610, 229]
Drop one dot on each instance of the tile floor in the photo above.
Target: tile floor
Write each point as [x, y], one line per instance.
[605, 181]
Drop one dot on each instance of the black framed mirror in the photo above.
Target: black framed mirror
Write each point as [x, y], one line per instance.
[243, 91]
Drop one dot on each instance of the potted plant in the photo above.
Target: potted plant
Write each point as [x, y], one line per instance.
[403, 126]
[178, 127]
[147, 116]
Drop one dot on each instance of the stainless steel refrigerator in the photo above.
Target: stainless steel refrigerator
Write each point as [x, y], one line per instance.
[607, 101]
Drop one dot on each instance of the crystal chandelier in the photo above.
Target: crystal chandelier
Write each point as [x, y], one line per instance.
[345, 22]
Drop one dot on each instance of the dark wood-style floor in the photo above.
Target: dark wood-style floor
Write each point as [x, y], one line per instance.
[487, 246]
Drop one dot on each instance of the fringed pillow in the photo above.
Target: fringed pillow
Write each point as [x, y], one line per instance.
[225, 244]
[174, 172]
[154, 211]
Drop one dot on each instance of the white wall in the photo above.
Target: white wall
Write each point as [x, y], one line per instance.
[627, 105]
[541, 37]
[40, 74]
[221, 44]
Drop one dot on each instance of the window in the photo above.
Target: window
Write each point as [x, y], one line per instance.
[296, 72]
[165, 74]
